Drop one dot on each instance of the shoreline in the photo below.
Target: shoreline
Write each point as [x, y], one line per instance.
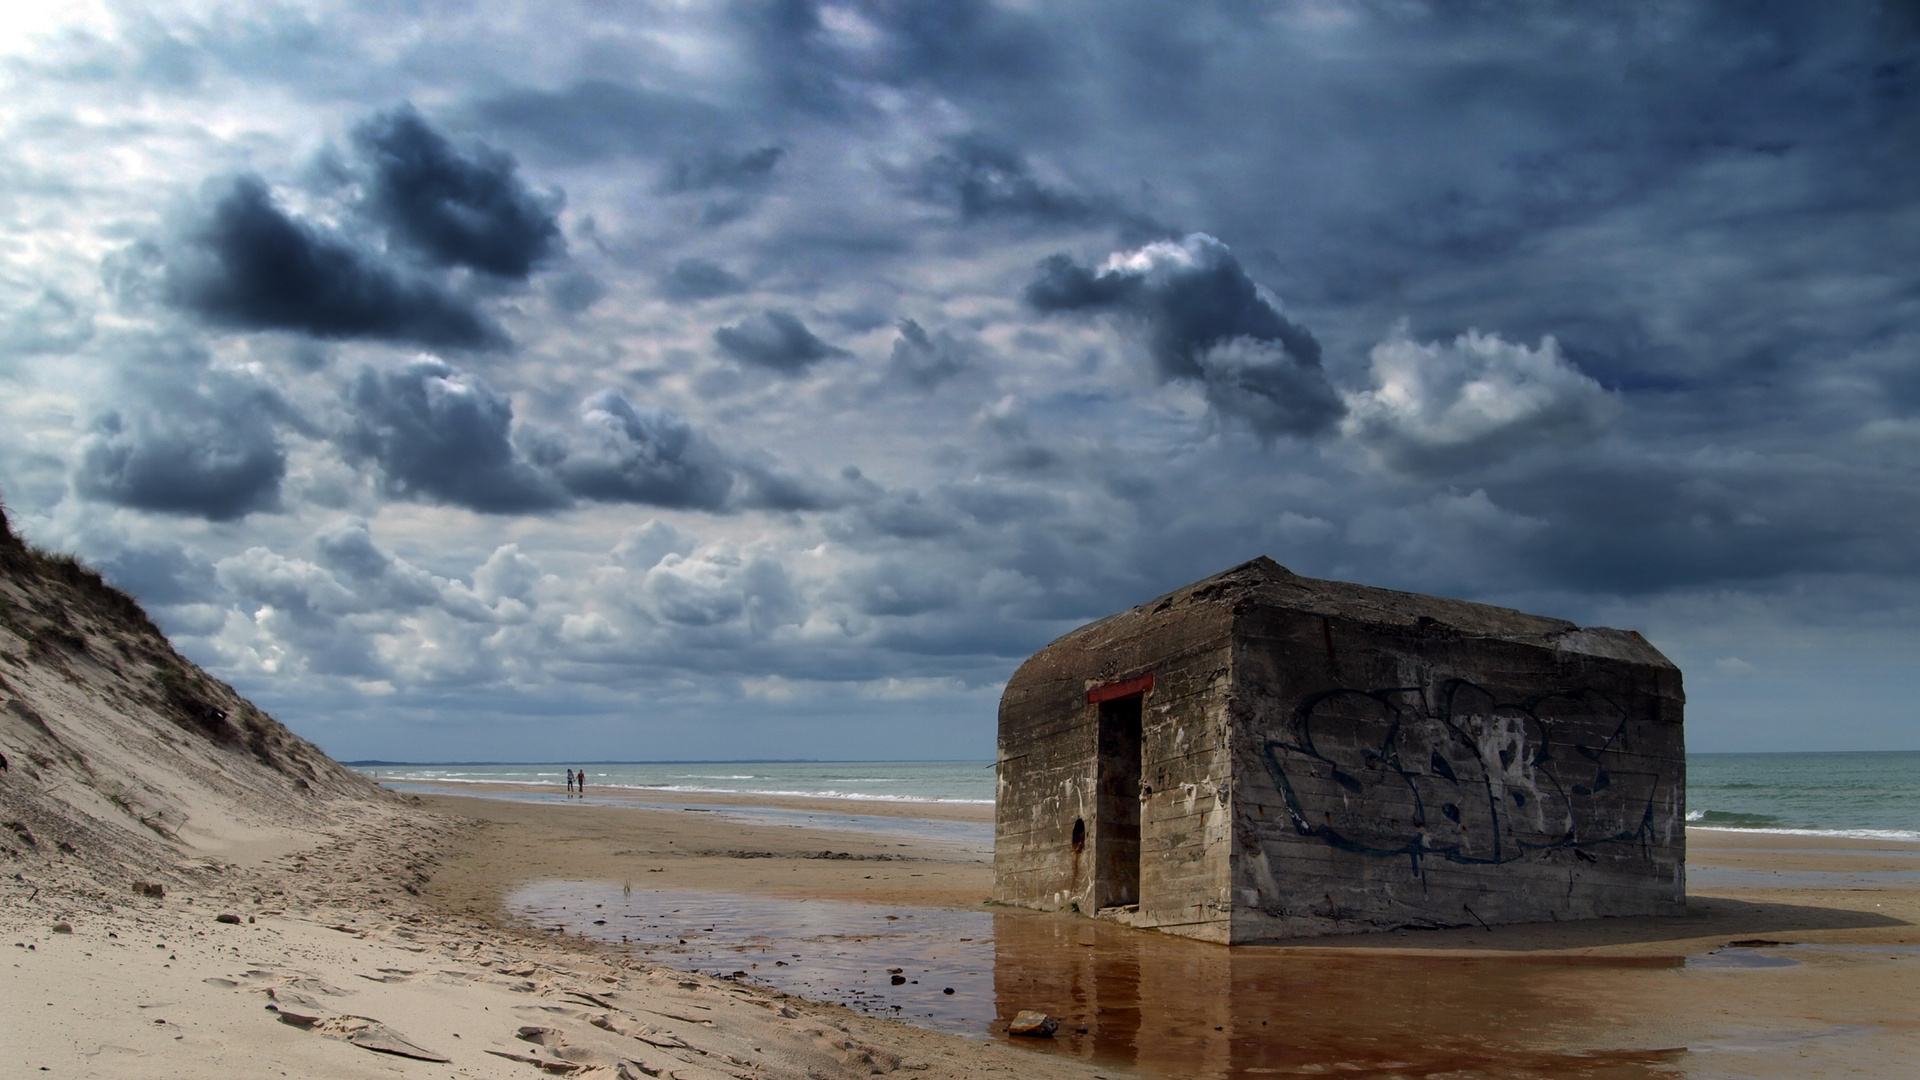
[933, 808]
[1895, 836]
[403, 911]
[648, 798]
[598, 848]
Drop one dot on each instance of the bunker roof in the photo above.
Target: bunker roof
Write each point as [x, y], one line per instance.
[1264, 583]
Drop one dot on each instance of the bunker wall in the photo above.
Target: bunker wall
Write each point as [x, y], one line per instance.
[1394, 774]
[1050, 771]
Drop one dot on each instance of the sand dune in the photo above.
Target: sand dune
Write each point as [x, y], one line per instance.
[192, 890]
[123, 751]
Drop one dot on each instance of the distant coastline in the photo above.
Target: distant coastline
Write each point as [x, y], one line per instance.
[1842, 794]
[372, 763]
[867, 782]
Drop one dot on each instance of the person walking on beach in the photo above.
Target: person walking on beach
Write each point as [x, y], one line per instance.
[580, 781]
[569, 783]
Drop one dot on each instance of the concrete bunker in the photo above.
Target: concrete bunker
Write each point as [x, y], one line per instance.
[1261, 756]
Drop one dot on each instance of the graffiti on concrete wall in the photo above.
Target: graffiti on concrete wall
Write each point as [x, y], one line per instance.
[1462, 775]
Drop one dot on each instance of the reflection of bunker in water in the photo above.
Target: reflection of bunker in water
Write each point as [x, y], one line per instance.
[1261, 756]
[1159, 1004]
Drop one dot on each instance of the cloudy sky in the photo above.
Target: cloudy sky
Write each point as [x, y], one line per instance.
[767, 379]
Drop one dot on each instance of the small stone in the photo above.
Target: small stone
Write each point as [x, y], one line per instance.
[63, 928]
[899, 980]
[379, 1037]
[227, 917]
[948, 991]
[539, 1036]
[1033, 1024]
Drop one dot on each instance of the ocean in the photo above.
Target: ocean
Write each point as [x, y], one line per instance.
[1865, 795]
[855, 781]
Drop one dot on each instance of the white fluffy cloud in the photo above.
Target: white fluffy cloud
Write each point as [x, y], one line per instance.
[1444, 407]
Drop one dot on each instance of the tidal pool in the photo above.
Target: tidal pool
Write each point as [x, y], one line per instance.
[1134, 999]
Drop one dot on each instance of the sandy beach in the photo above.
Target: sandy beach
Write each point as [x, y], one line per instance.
[378, 946]
[403, 935]
[1822, 984]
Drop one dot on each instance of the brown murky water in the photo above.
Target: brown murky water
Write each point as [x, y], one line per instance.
[1138, 1000]
[1189, 1009]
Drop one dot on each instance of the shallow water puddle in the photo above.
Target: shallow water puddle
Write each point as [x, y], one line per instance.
[1727, 877]
[1736, 958]
[1130, 998]
[819, 949]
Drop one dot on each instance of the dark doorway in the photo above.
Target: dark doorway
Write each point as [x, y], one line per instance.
[1116, 835]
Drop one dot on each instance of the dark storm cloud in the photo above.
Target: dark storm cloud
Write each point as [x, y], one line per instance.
[249, 265]
[985, 179]
[443, 435]
[698, 279]
[1648, 527]
[971, 42]
[764, 485]
[898, 588]
[373, 574]
[724, 169]
[793, 59]
[1699, 202]
[1205, 320]
[207, 448]
[52, 322]
[923, 360]
[160, 574]
[457, 209]
[439, 434]
[619, 453]
[595, 119]
[774, 339]
[576, 292]
[1545, 189]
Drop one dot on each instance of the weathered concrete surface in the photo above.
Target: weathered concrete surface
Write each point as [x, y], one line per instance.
[1049, 768]
[1316, 757]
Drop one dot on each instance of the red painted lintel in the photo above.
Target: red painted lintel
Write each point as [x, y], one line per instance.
[1126, 688]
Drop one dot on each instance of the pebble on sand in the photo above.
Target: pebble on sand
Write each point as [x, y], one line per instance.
[1033, 1024]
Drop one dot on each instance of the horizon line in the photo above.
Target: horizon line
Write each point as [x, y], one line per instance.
[382, 763]
[371, 762]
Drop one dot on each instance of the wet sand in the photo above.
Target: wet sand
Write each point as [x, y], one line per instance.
[1613, 998]
[315, 954]
[549, 795]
